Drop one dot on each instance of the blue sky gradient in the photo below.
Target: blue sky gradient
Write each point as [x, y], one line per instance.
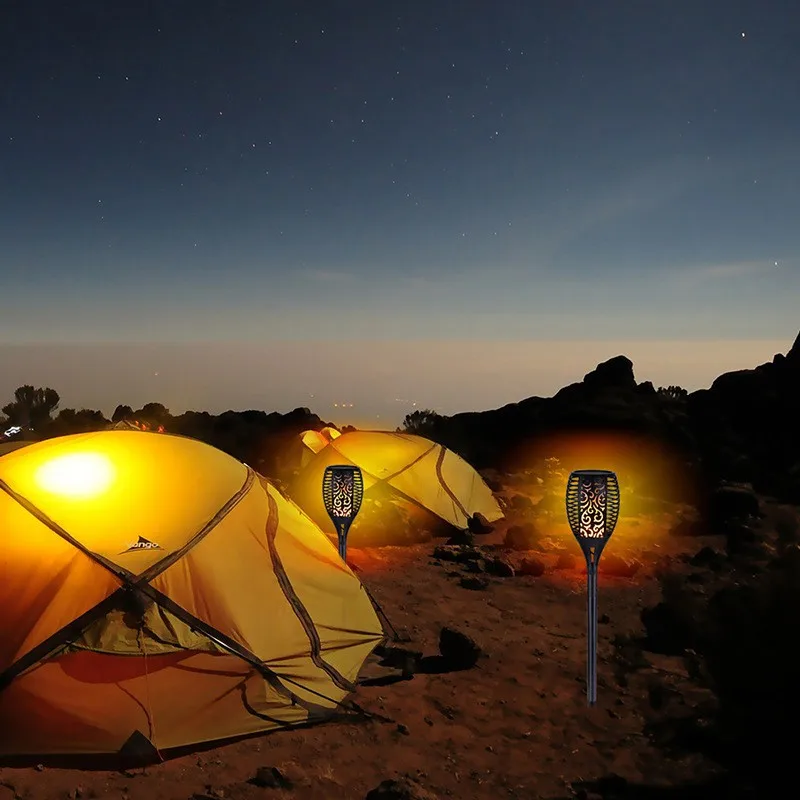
[199, 172]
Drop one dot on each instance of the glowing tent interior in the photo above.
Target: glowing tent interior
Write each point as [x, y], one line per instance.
[157, 593]
[402, 469]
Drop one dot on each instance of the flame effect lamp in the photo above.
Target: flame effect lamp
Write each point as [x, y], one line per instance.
[342, 492]
[592, 511]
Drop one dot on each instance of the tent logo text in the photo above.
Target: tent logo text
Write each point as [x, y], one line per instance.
[142, 544]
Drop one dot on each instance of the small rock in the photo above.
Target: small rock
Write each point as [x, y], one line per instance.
[493, 479]
[459, 555]
[531, 566]
[741, 539]
[445, 553]
[499, 567]
[461, 538]
[522, 537]
[476, 583]
[403, 729]
[270, 778]
[566, 561]
[403, 789]
[400, 658]
[709, 558]
[479, 525]
[582, 794]
[551, 503]
[520, 502]
[734, 502]
[460, 650]
[619, 567]
[478, 566]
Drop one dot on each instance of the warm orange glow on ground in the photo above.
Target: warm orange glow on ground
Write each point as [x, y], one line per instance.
[631, 536]
[643, 466]
[650, 478]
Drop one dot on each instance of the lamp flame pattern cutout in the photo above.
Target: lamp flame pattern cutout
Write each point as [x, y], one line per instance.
[342, 493]
[592, 512]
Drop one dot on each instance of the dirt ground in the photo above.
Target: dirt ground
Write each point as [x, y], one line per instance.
[517, 725]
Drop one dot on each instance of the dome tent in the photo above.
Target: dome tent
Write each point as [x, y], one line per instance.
[314, 441]
[299, 450]
[403, 468]
[157, 594]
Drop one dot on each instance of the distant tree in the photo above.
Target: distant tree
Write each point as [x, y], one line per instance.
[348, 428]
[153, 410]
[422, 422]
[154, 415]
[673, 392]
[71, 421]
[122, 413]
[32, 407]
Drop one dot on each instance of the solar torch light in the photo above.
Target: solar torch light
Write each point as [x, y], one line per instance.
[592, 511]
[342, 492]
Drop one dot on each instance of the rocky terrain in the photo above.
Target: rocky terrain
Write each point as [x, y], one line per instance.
[482, 695]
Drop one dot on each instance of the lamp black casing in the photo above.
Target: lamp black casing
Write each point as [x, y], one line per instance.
[592, 509]
[342, 506]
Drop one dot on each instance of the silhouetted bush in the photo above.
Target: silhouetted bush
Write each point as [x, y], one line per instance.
[673, 392]
[752, 657]
[745, 639]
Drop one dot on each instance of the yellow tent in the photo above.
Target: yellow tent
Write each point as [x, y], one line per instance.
[411, 467]
[314, 441]
[157, 593]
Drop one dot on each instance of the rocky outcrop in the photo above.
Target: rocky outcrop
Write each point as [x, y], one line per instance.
[748, 428]
[744, 428]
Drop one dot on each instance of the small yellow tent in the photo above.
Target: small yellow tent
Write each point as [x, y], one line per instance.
[314, 441]
[413, 469]
[157, 593]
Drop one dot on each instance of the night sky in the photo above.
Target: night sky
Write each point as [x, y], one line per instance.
[357, 175]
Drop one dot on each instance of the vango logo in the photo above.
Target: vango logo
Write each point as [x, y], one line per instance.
[142, 544]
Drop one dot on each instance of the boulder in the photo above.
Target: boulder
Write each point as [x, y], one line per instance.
[459, 650]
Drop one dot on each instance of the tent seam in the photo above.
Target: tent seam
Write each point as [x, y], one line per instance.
[295, 603]
[440, 476]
